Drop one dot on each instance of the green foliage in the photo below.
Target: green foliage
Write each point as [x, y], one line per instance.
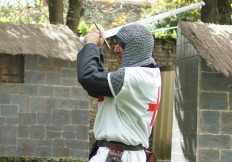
[162, 6]
[83, 28]
[165, 33]
[23, 12]
[37, 159]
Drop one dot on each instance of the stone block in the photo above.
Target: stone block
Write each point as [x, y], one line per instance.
[60, 117]
[62, 92]
[189, 117]
[45, 90]
[226, 123]
[44, 61]
[214, 82]
[54, 128]
[59, 143]
[192, 72]
[22, 101]
[79, 93]
[73, 64]
[8, 135]
[2, 121]
[69, 127]
[31, 90]
[10, 121]
[53, 132]
[37, 132]
[209, 155]
[26, 147]
[79, 153]
[49, 104]
[69, 134]
[80, 117]
[188, 52]
[34, 77]
[37, 104]
[69, 82]
[186, 105]
[230, 97]
[10, 151]
[43, 119]
[64, 104]
[68, 73]
[9, 110]
[52, 78]
[60, 152]
[214, 141]
[2, 150]
[214, 101]
[27, 119]
[226, 155]
[83, 105]
[44, 152]
[44, 143]
[49, 69]
[31, 62]
[82, 132]
[209, 122]
[60, 63]
[23, 132]
[9, 88]
[76, 104]
[4, 99]
[77, 144]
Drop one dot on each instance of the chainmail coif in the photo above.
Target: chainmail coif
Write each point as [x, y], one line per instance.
[138, 43]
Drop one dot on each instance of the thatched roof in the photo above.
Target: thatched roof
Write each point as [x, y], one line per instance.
[212, 42]
[52, 41]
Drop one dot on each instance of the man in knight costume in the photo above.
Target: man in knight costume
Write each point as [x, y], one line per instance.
[128, 99]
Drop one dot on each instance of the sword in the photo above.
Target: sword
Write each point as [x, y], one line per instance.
[149, 20]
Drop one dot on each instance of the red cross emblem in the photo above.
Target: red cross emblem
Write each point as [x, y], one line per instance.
[100, 98]
[154, 107]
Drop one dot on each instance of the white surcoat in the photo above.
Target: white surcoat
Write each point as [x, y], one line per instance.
[128, 117]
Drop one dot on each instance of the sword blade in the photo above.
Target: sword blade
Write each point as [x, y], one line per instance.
[149, 20]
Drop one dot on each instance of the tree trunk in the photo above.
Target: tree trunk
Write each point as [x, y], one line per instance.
[74, 14]
[56, 9]
[216, 11]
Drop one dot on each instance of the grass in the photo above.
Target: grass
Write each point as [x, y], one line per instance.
[37, 159]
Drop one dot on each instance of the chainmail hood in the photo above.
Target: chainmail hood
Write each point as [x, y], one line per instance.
[138, 42]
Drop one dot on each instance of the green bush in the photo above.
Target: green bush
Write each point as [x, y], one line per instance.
[37, 159]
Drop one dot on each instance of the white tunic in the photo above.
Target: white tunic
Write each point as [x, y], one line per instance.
[129, 116]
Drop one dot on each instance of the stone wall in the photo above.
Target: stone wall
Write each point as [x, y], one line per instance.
[215, 116]
[202, 125]
[184, 130]
[47, 115]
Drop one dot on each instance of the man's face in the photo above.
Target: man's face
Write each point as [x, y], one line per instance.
[118, 51]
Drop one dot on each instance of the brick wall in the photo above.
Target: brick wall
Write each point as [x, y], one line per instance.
[47, 115]
[202, 125]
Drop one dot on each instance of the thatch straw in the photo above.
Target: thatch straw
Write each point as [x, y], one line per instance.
[212, 42]
[52, 41]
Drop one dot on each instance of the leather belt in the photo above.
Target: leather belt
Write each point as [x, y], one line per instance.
[103, 143]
